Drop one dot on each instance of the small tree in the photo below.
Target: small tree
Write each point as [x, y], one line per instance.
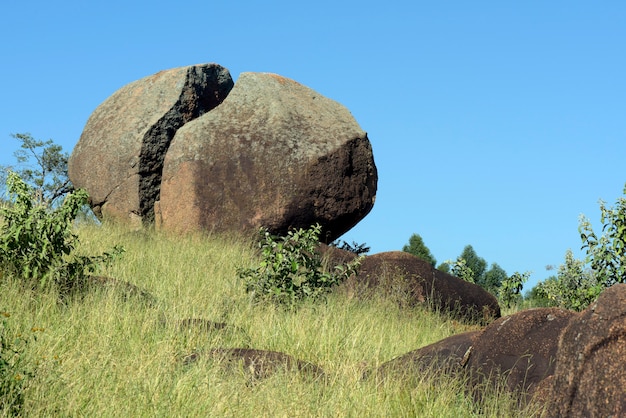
[48, 175]
[574, 287]
[37, 242]
[460, 269]
[607, 253]
[512, 286]
[477, 264]
[291, 269]
[445, 267]
[493, 278]
[417, 247]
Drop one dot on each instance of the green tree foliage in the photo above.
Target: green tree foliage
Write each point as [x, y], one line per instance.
[459, 268]
[574, 286]
[355, 247]
[417, 247]
[445, 267]
[607, 253]
[37, 242]
[537, 297]
[511, 288]
[291, 269]
[493, 278]
[48, 174]
[476, 264]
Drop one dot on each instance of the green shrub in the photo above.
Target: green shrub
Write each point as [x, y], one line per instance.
[511, 288]
[14, 372]
[459, 268]
[574, 287]
[291, 268]
[607, 253]
[37, 242]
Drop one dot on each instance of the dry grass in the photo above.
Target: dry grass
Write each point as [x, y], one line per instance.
[108, 354]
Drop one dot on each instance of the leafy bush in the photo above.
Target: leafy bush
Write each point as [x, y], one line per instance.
[37, 242]
[607, 254]
[460, 269]
[574, 287]
[355, 247]
[511, 288]
[291, 268]
[14, 373]
[48, 174]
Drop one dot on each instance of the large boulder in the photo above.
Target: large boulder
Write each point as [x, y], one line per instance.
[519, 351]
[412, 281]
[188, 149]
[119, 156]
[276, 154]
[590, 375]
[520, 348]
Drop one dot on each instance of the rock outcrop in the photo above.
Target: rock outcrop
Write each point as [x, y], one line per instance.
[412, 281]
[590, 375]
[189, 150]
[570, 364]
[521, 347]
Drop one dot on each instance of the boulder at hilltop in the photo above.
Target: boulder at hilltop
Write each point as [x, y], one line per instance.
[187, 149]
[119, 156]
[276, 154]
[411, 281]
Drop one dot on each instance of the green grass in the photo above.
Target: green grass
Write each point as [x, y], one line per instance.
[111, 356]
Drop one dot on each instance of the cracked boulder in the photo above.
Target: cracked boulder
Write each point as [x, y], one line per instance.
[187, 149]
[119, 156]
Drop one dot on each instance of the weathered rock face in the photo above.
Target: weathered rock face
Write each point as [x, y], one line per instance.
[413, 281]
[274, 154]
[187, 150]
[445, 356]
[522, 347]
[570, 364]
[590, 375]
[119, 157]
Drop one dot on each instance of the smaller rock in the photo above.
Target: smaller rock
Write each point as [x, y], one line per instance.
[445, 356]
[412, 281]
[257, 363]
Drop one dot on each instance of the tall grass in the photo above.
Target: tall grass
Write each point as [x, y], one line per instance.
[110, 354]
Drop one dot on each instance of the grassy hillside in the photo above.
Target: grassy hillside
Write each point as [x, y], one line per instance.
[113, 355]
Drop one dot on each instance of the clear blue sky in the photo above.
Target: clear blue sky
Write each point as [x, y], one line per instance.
[493, 123]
